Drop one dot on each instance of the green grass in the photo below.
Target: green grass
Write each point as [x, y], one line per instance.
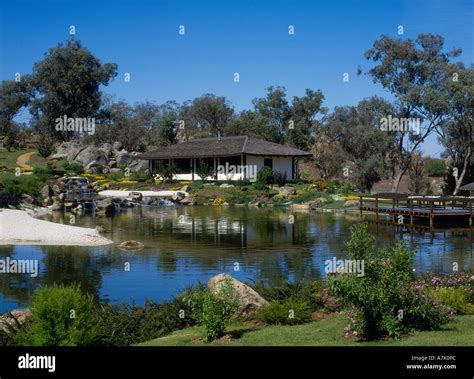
[8, 158]
[327, 332]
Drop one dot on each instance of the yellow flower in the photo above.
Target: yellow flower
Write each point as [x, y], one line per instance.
[218, 201]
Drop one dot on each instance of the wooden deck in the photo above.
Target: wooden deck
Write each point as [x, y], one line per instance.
[457, 210]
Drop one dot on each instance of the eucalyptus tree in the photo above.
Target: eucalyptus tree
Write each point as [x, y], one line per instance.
[414, 72]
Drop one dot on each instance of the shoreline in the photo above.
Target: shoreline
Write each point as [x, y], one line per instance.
[19, 227]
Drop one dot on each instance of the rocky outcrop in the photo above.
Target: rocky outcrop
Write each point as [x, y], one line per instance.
[12, 320]
[286, 191]
[131, 245]
[105, 157]
[249, 301]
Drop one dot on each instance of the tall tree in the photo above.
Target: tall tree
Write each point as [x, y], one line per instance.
[413, 72]
[273, 114]
[456, 131]
[68, 83]
[305, 118]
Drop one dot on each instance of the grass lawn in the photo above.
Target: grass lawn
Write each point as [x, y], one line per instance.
[327, 332]
[8, 158]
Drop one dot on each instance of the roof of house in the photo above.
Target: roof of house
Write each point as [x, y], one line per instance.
[225, 146]
[467, 187]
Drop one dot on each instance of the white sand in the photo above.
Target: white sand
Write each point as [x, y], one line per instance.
[19, 228]
[126, 194]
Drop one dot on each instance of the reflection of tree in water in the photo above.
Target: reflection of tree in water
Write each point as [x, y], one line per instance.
[68, 264]
[16, 286]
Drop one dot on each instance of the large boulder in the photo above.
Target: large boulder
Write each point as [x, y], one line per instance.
[249, 300]
[68, 150]
[10, 321]
[188, 200]
[286, 191]
[92, 156]
[178, 196]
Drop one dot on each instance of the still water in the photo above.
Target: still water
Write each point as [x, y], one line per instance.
[187, 245]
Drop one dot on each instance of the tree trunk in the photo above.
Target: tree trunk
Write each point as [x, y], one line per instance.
[458, 179]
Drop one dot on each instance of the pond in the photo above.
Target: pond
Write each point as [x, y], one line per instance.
[187, 245]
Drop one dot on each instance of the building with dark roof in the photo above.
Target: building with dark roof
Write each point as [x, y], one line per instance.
[232, 158]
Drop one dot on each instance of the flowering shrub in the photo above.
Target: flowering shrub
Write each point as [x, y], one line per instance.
[218, 201]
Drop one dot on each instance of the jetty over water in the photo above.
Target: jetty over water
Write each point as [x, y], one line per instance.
[455, 211]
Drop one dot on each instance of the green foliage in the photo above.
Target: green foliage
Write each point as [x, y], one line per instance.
[213, 311]
[264, 178]
[116, 175]
[205, 171]
[61, 316]
[435, 167]
[17, 185]
[73, 168]
[124, 325]
[456, 298]
[286, 312]
[167, 171]
[383, 297]
[305, 291]
[279, 178]
[45, 146]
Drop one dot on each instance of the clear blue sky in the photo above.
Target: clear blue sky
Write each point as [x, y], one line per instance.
[224, 37]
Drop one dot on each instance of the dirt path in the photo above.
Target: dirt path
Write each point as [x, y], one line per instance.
[22, 160]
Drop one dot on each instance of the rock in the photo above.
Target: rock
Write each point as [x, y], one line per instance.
[28, 199]
[57, 206]
[105, 207]
[123, 157]
[336, 197]
[351, 203]
[136, 196]
[10, 321]
[112, 170]
[185, 188]
[61, 196]
[317, 203]
[46, 191]
[68, 205]
[178, 196]
[257, 204]
[101, 229]
[225, 185]
[117, 146]
[249, 300]
[131, 245]
[56, 189]
[105, 170]
[68, 150]
[92, 156]
[112, 164]
[188, 200]
[286, 191]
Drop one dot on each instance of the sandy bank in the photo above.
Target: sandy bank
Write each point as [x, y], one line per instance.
[19, 228]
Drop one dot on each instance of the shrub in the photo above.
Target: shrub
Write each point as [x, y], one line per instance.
[435, 167]
[116, 176]
[287, 312]
[455, 298]
[14, 186]
[205, 171]
[383, 296]
[45, 146]
[264, 178]
[213, 311]
[167, 171]
[75, 168]
[279, 178]
[305, 291]
[61, 316]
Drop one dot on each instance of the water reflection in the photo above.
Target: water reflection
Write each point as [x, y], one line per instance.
[190, 244]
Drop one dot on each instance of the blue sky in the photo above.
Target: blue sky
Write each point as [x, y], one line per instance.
[225, 37]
